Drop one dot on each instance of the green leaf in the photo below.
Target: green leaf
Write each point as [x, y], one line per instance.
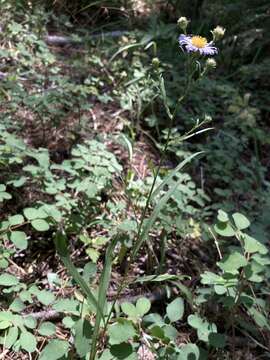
[11, 337]
[19, 239]
[121, 332]
[8, 280]
[16, 220]
[189, 352]
[222, 216]
[252, 245]
[45, 297]
[30, 322]
[40, 225]
[47, 329]
[232, 262]
[83, 335]
[129, 309]
[4, 324]
[241, 222]
[143, 305]
[224, 229]
[121, 351]
[67, 305]
[28, 341]
[175, 310]
[30, 213]
[54, 350]
[195, 321]
[17, 305]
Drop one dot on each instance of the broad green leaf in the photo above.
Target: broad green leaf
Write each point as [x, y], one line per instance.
[175, 310]
[45, 297]
[121, 332]
[17, 305]
[67, 305]
[55, 350]
[19, 239]
[8, 280]
[129, 309]
[16, 220]
[195, 321]
[47, 329]
[122, 351]
[252, 245]
[143, 305]
[28, 341]
[30, 213]
[232, 262]
[11, 337]
[224, 229]
[83, 336]
[189, 352]
[30, 322]
[241, 222]
[4, 324]
[40, 225]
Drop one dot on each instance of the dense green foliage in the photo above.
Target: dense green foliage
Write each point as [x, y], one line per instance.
[134, 184]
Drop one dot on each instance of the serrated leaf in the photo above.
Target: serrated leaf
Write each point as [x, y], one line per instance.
[175, 310]
[54, 350]
[241, 222]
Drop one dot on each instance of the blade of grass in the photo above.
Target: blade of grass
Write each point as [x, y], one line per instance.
[61, 247]
[104, 284]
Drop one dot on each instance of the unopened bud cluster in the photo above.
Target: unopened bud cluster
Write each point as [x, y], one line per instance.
[155, 63]
[183, 23]
[218, 33]
[210, 64]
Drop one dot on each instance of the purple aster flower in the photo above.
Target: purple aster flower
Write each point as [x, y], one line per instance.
[197, 43]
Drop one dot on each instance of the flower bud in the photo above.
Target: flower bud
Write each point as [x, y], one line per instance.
[218, 33]
[210, 64]
[155, 62]
[183, 23]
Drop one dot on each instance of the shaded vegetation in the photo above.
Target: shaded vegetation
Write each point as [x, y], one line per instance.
[134, 184]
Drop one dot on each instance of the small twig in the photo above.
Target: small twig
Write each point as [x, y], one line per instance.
[216, 243]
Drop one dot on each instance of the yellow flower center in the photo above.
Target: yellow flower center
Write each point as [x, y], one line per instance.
[199, 41]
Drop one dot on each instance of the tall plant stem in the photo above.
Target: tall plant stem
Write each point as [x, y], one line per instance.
[171, 117]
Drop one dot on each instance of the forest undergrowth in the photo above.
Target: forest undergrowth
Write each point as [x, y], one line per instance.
[134, 183]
